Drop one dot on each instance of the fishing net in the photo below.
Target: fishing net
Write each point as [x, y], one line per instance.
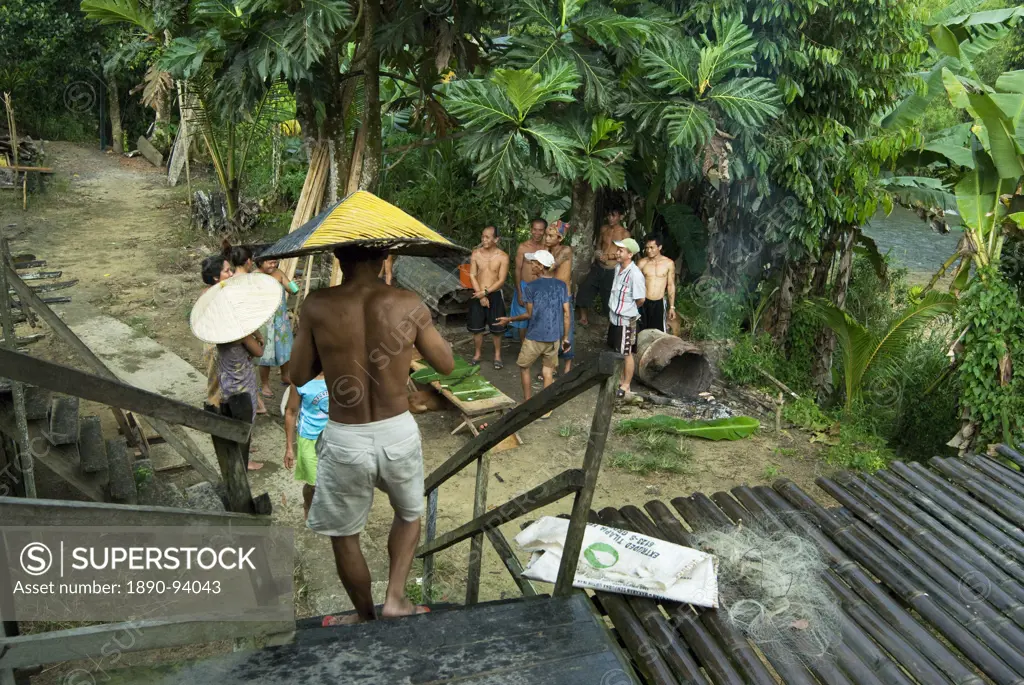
[770, 586]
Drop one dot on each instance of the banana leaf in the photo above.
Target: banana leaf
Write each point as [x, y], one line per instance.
[474, 388]
[735, 428]
[429, 375]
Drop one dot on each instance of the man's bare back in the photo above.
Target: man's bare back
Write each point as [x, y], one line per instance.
[657, 271]
[363, 333]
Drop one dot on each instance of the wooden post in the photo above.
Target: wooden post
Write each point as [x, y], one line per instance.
[233, 458]
[476, 545]
[24, 447]
[591, 468]
[431, 533]
[8, 626]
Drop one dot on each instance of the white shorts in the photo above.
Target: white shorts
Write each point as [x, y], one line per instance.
[352, 460]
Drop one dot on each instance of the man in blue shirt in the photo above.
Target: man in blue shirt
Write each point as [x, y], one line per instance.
[547, 310]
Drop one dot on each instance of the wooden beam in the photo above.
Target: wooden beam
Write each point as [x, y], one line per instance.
[555, 489]
[511, 561]
[24, 448]
[17, 511]
[29, 298]
[577, 382]
[476, 545]
[134, 636]
[591, 468]
[21, 367]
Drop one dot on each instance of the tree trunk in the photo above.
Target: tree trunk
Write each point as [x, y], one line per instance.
[825, 344]
[116, 134]
[819, 281]
[584, 229]
[371, 80]
[794, 278]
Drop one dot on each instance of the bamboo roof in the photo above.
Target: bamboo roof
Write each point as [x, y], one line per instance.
[924, 560]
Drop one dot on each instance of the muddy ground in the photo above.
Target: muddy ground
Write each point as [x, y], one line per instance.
[112, 223]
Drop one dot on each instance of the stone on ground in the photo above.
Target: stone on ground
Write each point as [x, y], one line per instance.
[155, 491]
[204, 496]
[64, 424]
[121, 475]
[92, 449]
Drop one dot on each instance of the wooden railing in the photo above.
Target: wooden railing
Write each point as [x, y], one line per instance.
[166, 416]
[581, 482]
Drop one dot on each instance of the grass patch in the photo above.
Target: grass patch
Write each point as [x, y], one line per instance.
[654, 452]
[140, 324]
[771, 472]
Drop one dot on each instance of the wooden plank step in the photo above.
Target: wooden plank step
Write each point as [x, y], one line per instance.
[542, 641]
[63, 461]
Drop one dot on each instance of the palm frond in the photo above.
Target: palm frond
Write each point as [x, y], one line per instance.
[750, 102]
[120, 11]
[609, 29]
[908, 325]
[557, 147]
[953, 9]
[500, 158]
[731, 51]
[672, 66]
[480, 105]
[689, 125]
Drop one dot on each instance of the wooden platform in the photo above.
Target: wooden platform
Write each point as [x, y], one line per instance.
[944, 541]
[539, 641]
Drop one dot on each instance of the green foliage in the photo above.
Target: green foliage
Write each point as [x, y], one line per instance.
[806, 414]
[748, 354]
[711, 312]
[733, 428]
[862, 350]
[859, 448]
[873, 300]
[654, 452]
[992, 389]
[49, 62]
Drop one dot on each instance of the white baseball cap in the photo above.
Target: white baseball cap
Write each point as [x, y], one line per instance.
[542, 256]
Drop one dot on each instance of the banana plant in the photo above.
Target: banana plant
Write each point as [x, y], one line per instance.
[862, 351]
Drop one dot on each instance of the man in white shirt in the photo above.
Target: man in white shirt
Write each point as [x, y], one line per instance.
[629, 289]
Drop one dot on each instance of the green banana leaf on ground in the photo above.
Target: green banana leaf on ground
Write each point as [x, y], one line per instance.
[735, 428]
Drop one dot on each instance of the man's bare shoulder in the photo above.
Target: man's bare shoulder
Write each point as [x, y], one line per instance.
[643, 263]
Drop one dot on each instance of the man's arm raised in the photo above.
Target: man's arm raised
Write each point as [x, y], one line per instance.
[305, 361]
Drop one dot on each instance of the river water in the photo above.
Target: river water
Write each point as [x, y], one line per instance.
[911, 243]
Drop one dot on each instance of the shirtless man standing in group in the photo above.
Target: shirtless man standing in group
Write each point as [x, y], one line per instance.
[525, 274]
[660, 274]
[602, 273]
[553, 243]
[361, 334]
[487, 271]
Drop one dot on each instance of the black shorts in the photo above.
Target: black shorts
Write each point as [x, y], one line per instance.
[597, 283]
[652, 315]
[483, 318]
[622, 339]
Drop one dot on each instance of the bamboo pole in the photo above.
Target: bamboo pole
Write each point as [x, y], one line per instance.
[725, 633]
[916, 473]
[946, 567]
[667, 641]
[1004, 502]
[310, 198]
[885, 500]
[997, 472]
[899, 632]
[979, 643]
[974, 529]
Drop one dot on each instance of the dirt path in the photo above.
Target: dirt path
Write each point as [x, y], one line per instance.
[113, 223]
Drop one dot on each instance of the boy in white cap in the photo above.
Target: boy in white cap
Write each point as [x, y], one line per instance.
[629, 290]
[547, 309]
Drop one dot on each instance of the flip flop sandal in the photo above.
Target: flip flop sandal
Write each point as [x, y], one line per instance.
[498, 365]
[474, 362]
[267, 393]
[620, 393]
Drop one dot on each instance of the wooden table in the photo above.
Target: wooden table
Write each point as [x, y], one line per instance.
[475, 410]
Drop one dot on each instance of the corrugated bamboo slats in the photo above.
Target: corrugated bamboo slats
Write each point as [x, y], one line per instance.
[925, 561]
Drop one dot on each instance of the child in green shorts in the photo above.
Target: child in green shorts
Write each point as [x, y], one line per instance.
[307, 410]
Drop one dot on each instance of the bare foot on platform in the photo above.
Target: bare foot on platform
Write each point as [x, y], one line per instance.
[350, 619]
[405, 607]
[255, 465]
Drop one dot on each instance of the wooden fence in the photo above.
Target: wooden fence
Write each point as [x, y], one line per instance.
[579, 482]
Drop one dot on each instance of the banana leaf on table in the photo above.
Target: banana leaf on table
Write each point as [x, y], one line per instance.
[734, 428]
[462, 370]
[474, 388]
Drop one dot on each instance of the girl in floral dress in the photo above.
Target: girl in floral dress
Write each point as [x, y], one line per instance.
[278, 331]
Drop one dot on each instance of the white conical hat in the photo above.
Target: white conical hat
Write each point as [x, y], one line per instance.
[235, 307]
